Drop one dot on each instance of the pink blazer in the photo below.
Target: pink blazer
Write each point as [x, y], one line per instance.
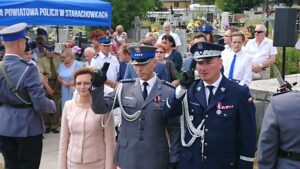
[83, 139]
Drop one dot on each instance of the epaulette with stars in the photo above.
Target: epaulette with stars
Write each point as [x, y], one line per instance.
[127, 80]
[168, 84]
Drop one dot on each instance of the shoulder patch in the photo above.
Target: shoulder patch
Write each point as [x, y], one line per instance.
[127, 80]
[168, 84]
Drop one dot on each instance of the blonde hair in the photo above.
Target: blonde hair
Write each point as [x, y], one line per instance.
[119, 28]
[67, 52]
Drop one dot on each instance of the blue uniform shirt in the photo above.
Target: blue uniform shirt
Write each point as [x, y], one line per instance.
[22, 122]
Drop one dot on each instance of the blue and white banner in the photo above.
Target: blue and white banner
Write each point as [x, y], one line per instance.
[56, 12]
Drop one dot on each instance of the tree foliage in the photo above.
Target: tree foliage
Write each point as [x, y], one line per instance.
[124, 11]
[237, 6]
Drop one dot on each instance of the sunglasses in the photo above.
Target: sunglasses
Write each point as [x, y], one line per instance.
[258, 31]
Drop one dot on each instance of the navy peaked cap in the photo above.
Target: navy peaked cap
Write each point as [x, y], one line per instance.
[14, 32]
[206, 50]
[206, 28]
[105, 40]
[141, 54]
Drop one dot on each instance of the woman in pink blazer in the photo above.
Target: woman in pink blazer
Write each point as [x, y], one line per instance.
[87, 140]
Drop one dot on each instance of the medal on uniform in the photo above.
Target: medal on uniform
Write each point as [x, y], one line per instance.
[198, 89]
[157, 101]
[219, 106]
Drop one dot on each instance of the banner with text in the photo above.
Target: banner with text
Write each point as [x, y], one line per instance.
[56, 12]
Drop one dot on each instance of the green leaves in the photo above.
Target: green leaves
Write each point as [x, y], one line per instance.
[124, 11]
[237, 6]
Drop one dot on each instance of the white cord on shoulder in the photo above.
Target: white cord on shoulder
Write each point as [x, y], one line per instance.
[195, 132]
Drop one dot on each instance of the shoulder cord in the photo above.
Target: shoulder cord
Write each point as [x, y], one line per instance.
[195, 132]
[128, 117]
[14, 89]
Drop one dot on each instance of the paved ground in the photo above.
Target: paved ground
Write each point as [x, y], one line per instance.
[50, 152]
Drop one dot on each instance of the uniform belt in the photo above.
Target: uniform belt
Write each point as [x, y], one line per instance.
[18, 106]
[289, 155]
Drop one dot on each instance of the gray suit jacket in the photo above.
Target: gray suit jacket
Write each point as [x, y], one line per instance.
[142, 143]
[280, 131]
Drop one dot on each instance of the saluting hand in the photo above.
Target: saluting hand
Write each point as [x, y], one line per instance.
[187, 79]
[99, 76]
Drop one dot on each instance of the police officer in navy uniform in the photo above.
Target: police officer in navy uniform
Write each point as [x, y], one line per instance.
[279, 142]
[142, 142]
[21, 124]
[219, 116]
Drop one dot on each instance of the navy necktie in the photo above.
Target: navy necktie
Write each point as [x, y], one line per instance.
[211, 94]
[145, 92]
[232, 67]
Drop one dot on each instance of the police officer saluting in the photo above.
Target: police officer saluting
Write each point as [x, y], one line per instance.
[219, 116]
[142, 142]
[21, 103]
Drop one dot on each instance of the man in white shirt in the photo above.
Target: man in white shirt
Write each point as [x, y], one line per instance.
[263, 53]
[106, 56]
[236, 62]
[168, 31]
[89, 54]
[227, 37]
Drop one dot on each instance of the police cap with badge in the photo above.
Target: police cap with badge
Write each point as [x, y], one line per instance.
[14, 32]
[49, 46]
[206, 28]
[105, 40]
[141, 54]
[206, 51]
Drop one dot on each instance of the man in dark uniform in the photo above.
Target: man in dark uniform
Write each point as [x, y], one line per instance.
[219, 116]
[21, 124]
[142, 142]
[279, 142]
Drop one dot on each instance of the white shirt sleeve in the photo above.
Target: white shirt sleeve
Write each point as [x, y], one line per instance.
[179, 92]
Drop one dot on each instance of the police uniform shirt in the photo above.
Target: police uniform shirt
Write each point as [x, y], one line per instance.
[216, 85]
[113, 70]
[150, 82]
[242, 67]
[179, 92]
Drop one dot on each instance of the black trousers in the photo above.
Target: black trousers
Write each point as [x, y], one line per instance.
[21, 152]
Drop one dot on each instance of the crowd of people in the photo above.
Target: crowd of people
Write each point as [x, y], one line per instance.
[135, 106]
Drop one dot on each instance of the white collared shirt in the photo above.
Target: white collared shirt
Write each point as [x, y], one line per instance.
[174, 35]
[262, 52]
[215, 84]
[150, 82]
[242, 68]
[179, 92]
[113, 70]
